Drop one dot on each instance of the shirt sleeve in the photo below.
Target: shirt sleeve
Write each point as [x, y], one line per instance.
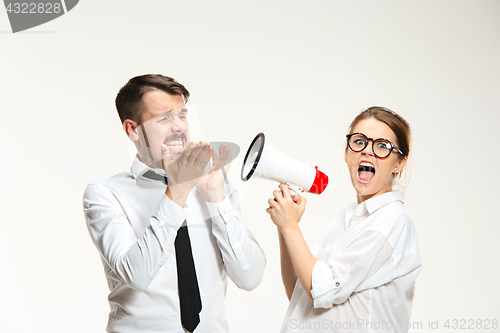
[134, 260]
[243, 257]
[365, 263]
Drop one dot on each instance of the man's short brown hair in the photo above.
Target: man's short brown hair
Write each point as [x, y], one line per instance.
[129, 99]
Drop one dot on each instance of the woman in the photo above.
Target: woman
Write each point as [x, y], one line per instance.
[359, 275]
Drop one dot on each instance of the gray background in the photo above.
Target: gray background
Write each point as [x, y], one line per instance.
[297, 71]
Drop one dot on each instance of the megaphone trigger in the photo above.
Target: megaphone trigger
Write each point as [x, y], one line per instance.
[295, 189]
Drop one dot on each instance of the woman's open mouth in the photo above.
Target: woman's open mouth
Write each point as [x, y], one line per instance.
[366, 172]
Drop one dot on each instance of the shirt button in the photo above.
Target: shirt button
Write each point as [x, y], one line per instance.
[223, 212]
[233, 240]
[181, 219]
[168, 249]
[337, 284]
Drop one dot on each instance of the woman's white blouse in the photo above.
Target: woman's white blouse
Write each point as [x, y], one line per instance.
[364, 279]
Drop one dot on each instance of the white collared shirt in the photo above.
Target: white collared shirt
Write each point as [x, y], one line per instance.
[134, 224]
[368, 261]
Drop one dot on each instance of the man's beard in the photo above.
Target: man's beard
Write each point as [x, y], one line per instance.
[158, 163]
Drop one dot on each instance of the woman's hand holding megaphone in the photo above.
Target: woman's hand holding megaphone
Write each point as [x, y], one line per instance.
[285, 210]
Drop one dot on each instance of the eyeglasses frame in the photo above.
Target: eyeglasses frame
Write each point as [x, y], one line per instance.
[393, 146]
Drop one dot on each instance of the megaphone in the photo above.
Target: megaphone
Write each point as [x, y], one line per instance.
[264, 161]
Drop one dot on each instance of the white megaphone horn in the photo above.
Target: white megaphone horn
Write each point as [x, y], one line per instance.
[264, 161]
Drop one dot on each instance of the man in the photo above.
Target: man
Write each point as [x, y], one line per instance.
[135, 220]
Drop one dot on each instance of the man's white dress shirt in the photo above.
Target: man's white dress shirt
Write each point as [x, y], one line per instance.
[368, 261]
[134, 224]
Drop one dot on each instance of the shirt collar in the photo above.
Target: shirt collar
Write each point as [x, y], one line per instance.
[369, 206]
[378, 201]
[139, 169]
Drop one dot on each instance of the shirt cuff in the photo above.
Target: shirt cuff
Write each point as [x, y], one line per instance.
[230, 233]
[222, 212]
[324, 285]
[169, 213]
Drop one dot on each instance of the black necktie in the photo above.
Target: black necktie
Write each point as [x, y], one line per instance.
[189, 293]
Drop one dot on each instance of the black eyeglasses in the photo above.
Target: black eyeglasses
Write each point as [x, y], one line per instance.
[380, 147]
